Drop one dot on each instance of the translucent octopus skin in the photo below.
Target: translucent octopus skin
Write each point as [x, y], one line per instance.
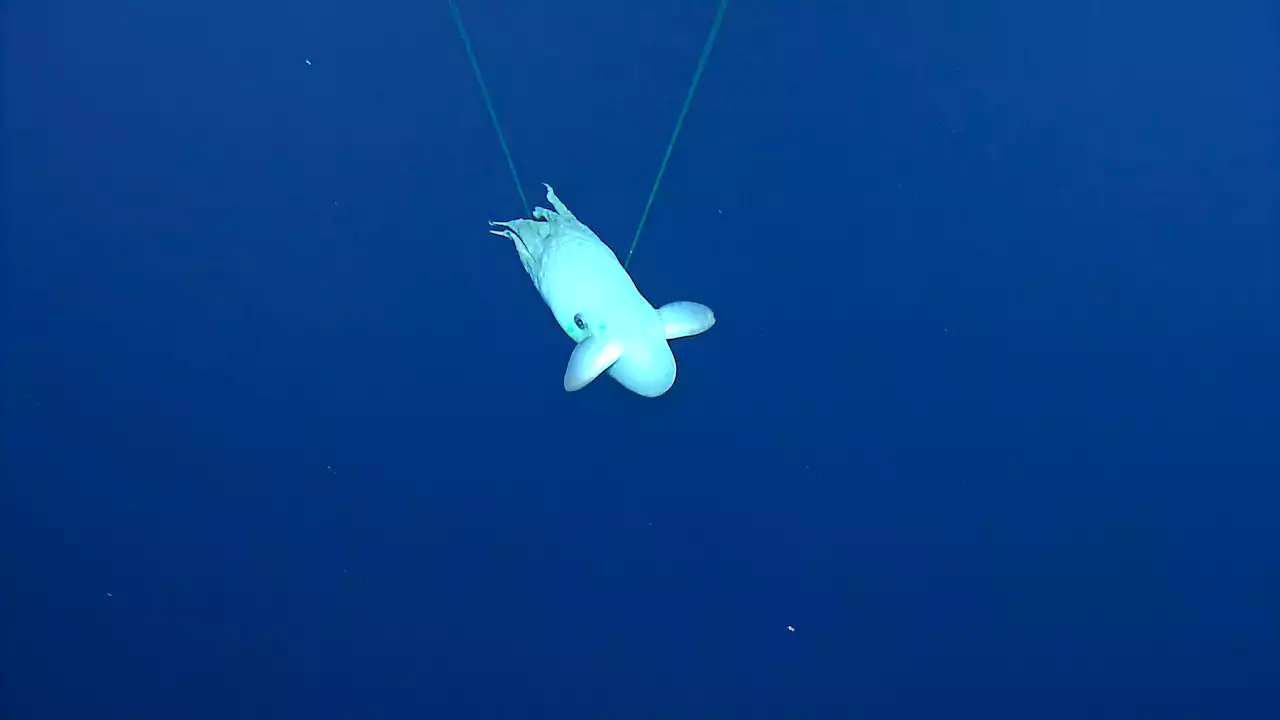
[597, 303]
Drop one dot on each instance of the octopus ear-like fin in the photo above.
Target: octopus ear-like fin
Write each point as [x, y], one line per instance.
[590, 358]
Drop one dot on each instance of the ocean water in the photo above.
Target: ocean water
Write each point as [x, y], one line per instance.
[987, 426]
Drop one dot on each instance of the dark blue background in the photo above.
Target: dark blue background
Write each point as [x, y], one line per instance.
[989, 415]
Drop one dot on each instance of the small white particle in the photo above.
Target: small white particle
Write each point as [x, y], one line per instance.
[792, 629]
[110, 595]
[307, 62]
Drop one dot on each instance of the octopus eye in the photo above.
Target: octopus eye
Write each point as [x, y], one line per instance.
[577, 320]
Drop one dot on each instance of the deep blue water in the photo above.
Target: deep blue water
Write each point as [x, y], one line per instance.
[989, 416]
